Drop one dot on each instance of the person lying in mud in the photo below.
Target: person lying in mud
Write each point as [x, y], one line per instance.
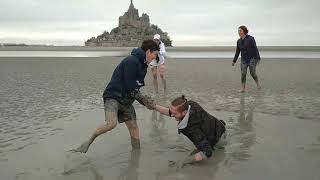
[122, 91]
[204, 130]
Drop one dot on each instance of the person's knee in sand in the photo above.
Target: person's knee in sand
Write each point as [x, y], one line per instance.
[122, 91]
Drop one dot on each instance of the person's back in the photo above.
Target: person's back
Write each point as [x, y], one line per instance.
[128, 76]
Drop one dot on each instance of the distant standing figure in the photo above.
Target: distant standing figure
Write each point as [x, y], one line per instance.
[158, 65]
[250, 56]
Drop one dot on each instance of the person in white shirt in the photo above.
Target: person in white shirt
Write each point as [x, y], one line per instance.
[158, 65]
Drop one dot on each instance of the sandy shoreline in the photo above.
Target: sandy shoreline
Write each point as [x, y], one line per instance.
[251, 151]
[50, 105]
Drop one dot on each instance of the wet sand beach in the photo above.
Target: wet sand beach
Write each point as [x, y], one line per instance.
[50, 105]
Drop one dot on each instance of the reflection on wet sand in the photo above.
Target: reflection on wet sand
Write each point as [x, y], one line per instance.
[158, 131]
[243, 132]
[32, 109]
[131, 171]
[80, 167]
[206, 170]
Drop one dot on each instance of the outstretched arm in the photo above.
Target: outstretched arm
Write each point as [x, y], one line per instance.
[143, 99]
[163, 110]
[149, 103]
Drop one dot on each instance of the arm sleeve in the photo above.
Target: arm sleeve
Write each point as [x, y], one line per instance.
[130, 76]
[138, 96]
[237, 54]
[162, 50]
[201, 142]
[143, 99]
[256, 48]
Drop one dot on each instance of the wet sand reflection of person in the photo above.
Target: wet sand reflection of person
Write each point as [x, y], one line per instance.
[158, 127]
[244, 130]
[131, 171]
[157, 132]
[202, 170]
[86, 166]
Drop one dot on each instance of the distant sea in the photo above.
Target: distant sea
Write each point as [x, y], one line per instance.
[294, 52]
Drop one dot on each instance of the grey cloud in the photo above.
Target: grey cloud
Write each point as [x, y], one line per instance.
[181, 18]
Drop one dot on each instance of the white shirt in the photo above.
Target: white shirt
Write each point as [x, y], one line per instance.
[162, 54]
[183, 124]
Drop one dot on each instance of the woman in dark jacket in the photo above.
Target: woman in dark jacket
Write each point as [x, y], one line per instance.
[204, 130]
[250, 56]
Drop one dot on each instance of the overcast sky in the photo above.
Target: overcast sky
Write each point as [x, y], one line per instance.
[188, 22]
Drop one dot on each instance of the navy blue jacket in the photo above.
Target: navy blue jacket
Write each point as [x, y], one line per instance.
[128, 76]
[248, 49]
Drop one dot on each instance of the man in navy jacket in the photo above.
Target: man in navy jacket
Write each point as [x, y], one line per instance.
[122, 91]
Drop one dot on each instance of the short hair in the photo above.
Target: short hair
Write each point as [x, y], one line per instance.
[181, 103]
[150, 45]
[244, 29]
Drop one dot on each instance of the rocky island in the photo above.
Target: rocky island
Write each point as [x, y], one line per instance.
[131, 31]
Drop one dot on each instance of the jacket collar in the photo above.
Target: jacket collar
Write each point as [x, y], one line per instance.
[184, 122]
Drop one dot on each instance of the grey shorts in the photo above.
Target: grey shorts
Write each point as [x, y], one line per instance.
[123, 112]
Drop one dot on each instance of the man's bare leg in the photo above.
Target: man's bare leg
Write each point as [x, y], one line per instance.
[162, 76]
[134, 133]
[154, 71]
[110, 123]
[244, 68]
[253, 73]
[242, 88]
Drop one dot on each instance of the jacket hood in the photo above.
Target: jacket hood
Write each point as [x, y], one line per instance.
[140, 54]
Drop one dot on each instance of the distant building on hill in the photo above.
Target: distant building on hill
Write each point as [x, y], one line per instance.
[132, 30]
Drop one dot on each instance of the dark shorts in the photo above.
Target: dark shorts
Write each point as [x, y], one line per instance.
[114, 111]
